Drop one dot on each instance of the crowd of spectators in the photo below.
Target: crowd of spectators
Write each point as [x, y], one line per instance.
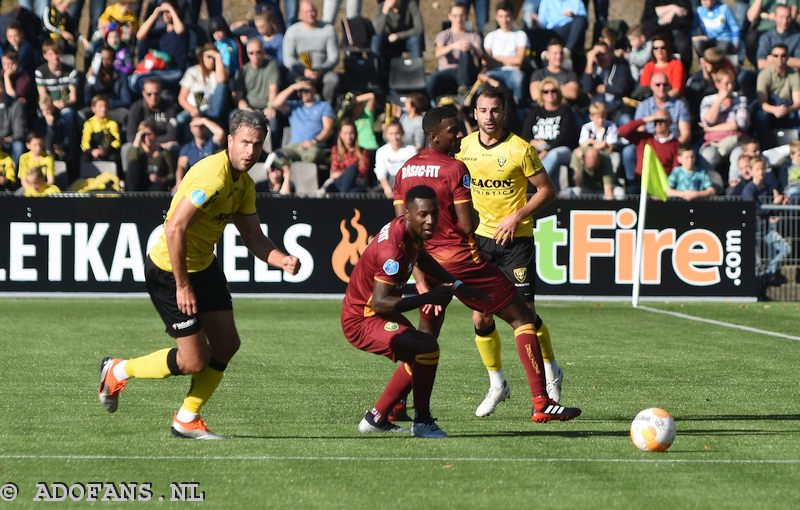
[712, 86]
[700, 74]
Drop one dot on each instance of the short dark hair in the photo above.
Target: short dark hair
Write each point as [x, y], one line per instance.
[152, 79]
[781, 45]
[555, 41]
[685, 148]
[250, 118]
[432, 120]
[494, 93]
[420, 192]
[504, 6]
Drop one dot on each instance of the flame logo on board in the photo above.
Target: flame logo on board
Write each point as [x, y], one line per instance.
[347, 252]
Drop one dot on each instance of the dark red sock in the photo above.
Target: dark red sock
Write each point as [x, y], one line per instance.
[424, 375]
[398, 386]
[530, 354]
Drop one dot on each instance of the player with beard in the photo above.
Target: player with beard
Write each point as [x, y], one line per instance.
[453, 247]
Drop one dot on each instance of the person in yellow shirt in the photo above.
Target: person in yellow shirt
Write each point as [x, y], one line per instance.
[36, 186]
[36, 156]
[8, 174]
[501, 166]
[101, 140]
[186, 283]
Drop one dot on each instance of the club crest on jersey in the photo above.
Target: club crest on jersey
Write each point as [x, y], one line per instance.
[391, 326]
[198, 197]
[501, 161]
[520, 273]
[391, 267]
[465, 181]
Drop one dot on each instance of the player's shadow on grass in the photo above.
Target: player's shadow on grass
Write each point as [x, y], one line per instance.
[710, 417]
[540, 433]
[740, 417]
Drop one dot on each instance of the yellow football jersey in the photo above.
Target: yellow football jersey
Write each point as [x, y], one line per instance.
[7, 169]
[499, 180]
[210, 187]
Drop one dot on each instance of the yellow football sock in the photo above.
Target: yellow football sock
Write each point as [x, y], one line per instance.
[489, 347]
[545, 343]
[203, 385]
[151, 366]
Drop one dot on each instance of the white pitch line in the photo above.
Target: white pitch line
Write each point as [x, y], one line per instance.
[278, 458]
[721, 323]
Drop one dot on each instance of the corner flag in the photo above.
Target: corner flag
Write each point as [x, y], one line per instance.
[654, 178]
[654, 182]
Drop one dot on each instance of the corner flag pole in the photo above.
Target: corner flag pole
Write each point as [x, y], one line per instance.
[637, 256]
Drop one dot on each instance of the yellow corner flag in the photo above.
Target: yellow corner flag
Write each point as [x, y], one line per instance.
[654, 178]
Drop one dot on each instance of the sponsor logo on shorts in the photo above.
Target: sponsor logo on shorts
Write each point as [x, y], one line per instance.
[185, 324]
[391, 267]
[465, 181]
[198, 197]
[391, 326]
[521, 274]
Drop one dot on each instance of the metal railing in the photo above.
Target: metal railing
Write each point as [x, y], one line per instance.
[778, 252]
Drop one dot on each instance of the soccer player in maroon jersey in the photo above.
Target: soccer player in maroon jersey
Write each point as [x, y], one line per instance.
[372, 310]
[453, 247]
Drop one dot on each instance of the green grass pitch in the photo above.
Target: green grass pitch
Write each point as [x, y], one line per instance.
[292, 397]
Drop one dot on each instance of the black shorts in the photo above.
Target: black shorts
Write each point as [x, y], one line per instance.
[210, 288]
[516, 260]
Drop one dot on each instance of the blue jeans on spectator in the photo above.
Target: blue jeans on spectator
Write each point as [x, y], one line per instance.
[573, 33]
[330, 8]
[381, 46]
[290, 11]
[347, 182]
[448, 81]
[217, 108]
[529, 8]
[481, 13]
[38, 6]
[96, 8]
[511, 77]
[213, 7]
[553, 160]
[17, 148]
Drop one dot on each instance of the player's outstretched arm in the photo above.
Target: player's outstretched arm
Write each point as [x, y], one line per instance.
[261, 246]
[429, 266]
[385, 300]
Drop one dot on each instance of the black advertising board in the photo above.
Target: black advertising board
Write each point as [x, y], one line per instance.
[584, 247]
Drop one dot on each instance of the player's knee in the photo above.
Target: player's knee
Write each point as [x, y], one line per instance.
[483, 322]
[428, 358]
[194, 366]
[192, 363]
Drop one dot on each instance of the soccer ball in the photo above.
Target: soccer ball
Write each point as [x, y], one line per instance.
[653, 430]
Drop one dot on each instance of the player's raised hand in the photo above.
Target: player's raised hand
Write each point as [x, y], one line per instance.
[290, 264]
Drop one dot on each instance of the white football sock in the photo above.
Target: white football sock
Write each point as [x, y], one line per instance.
[119, 371]
[185, 416]
[496, 378]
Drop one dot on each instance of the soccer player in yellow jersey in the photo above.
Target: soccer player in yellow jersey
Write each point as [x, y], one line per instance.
[187, 285]
[501, 164]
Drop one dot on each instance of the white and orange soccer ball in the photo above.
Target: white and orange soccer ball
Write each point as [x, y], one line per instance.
[653, 430]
